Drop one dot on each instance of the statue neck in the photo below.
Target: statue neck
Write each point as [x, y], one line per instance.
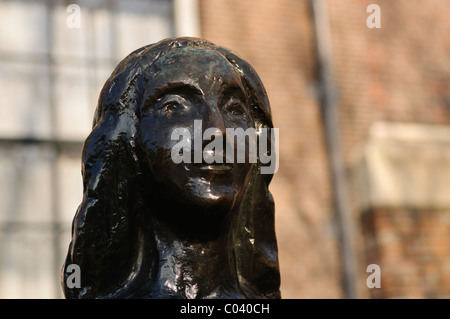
[195, 269]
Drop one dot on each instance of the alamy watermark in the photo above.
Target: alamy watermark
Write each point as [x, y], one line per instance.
[73, 21]
[374, 19]
[373, 280]
[213, 152]
[74, 279]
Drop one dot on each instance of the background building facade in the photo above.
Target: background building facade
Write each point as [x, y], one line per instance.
[393, 117]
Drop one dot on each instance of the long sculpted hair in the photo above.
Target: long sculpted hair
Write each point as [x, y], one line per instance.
[112, 241]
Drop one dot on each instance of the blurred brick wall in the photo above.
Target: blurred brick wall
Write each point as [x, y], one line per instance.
[400, 72]
[411, 247]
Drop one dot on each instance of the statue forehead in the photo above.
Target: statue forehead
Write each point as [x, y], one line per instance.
[195, 62]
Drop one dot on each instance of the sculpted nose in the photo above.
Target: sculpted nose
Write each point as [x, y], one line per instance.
[213, 118]
[214, 122]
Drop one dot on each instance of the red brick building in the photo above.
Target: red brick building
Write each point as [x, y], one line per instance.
[393, 103]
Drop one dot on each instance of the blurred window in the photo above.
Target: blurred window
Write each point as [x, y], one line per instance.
[51, 73]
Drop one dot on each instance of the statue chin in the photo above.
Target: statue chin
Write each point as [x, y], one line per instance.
[204, 193]
[197, 190]
[200, 197]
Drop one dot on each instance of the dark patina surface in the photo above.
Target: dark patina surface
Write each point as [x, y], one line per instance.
[150, 228]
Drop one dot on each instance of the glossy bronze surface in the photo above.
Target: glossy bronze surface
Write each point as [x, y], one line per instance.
[150, 228]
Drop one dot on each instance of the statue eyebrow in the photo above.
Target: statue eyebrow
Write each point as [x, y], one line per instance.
[234, 90]
[176, 88]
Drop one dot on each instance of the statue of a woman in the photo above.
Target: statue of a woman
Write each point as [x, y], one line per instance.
[148, 227]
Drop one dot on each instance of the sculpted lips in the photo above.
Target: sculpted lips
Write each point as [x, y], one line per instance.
[217, 167]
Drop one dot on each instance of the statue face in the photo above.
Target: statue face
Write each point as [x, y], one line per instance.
[190, 85]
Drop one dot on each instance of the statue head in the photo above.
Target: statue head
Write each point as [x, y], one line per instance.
[164, 187]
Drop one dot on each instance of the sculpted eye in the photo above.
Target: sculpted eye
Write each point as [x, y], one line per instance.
[171, 105]
[236, 108]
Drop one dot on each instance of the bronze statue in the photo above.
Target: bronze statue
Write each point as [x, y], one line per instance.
[149, 227]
